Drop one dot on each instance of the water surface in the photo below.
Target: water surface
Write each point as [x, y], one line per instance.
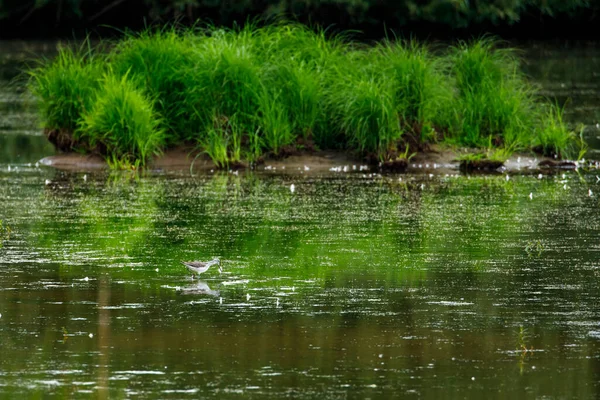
[355, 285]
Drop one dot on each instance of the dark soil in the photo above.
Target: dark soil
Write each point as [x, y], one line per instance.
[480, 165]
[557, 164]
[398, 165]
[61, 139]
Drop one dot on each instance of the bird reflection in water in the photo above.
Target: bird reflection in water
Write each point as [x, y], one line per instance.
[200, 287]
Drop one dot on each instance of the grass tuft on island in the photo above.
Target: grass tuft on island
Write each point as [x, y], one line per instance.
[245, 94]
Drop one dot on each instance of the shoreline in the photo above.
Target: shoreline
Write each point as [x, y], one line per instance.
[438, 160]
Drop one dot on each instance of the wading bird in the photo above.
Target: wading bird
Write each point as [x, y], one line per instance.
[198, 267]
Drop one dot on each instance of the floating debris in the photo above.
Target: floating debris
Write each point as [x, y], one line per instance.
[590, 192]
[292, 188]
[247, 296]
[530, 196]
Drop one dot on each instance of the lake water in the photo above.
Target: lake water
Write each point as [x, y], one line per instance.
[353, 286]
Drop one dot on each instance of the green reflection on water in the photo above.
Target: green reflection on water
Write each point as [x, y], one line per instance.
[24, 149]
[366, 285]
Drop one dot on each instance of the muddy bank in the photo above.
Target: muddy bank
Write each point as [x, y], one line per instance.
[438, 160]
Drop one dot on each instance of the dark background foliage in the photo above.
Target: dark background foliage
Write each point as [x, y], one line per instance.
[433, 18]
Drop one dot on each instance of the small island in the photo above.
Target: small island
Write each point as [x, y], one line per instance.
[244, 95]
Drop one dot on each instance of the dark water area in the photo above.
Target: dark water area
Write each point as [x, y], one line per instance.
[352, 285]
[517, 19]
[569, 73]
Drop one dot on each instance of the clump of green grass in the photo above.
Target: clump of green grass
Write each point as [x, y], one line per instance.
[300, 66]
[65, 89]
[275, 123]
[300, 43]
[222, 141]
[381, 94]
[420, 86]
[555, 139]
[268, 98]
[481, 161]
[158, 62]
[494, 101]
[297, 91]
[122, 123]
[365, 111]
[216, 144]
[226, 95]
[496, 155]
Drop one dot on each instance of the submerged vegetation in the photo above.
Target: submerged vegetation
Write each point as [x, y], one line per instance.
[5, 232]
[241, 95]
